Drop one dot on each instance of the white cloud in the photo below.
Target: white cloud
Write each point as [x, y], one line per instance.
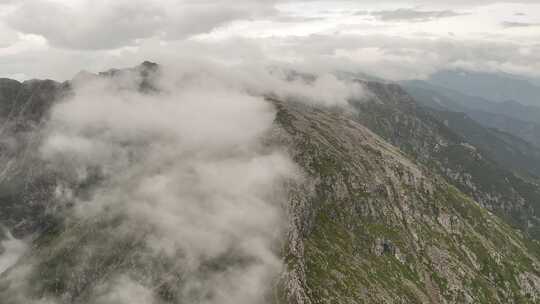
[100, 24]
[11, 250]
[399, 58]
[124, 291]
[186, 166]
[103, 34]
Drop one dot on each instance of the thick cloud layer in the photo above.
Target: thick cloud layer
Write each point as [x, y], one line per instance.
[82, 34]
[85, 24]
[186, 166]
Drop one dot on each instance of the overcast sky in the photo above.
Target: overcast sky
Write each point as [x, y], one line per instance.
[390, 39]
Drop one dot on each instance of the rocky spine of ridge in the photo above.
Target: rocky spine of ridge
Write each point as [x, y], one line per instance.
[372, 227]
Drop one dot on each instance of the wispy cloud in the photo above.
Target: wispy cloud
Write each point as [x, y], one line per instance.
[10, 251]
[413, 15]
[511, 24]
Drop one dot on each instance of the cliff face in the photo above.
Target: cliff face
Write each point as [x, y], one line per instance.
[368, 222]
[372, 227]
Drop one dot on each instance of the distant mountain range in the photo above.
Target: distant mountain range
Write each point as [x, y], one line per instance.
[498, 87]
[511, 117]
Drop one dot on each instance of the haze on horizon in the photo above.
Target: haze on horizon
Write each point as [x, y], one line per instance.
[390, 39]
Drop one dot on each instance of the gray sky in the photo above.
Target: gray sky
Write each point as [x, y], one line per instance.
[391, 39]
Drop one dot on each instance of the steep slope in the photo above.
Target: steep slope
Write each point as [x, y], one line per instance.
[395, 116]
[368, 223]
[511, 117]
[508, 149]
[367, 226]
[526, 130]
[23, 106]
[511, 153]
[372, 227]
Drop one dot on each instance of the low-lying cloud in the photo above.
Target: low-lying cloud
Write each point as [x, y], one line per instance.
[187, 163]
[11, 249]
[182, 159]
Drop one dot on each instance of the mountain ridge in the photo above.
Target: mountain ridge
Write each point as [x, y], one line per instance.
[375, 219]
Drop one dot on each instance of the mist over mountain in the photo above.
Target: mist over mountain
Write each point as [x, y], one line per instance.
[146, 200]
[269, 152]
